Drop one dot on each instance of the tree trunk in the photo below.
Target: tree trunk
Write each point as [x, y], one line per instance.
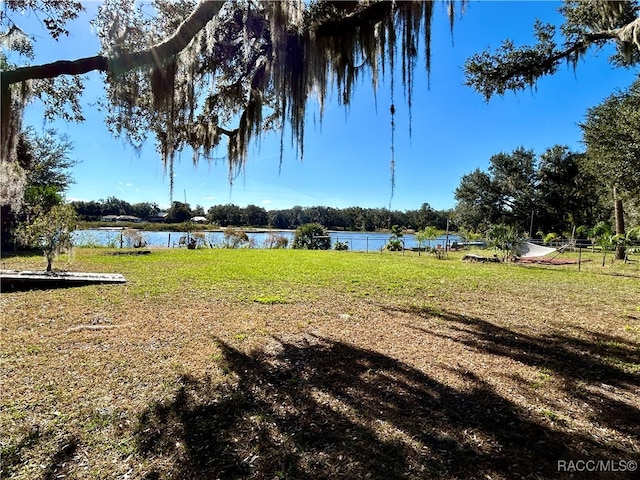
[618, 213]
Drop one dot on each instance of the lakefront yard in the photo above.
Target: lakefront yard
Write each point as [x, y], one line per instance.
[274, 364]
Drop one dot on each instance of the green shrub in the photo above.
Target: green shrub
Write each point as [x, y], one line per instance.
[604, 238]
[394, 245]
[341, 246]
[311, 236]
[550, 237]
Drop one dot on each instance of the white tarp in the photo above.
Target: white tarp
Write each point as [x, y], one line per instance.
[528, 249]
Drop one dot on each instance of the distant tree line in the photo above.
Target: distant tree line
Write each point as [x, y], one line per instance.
[352, 218]
[92, 211]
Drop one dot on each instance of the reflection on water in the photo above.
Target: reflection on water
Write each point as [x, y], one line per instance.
[357, 241]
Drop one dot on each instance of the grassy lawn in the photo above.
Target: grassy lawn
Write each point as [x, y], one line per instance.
[274, 364]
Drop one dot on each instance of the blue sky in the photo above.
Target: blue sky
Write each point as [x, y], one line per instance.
[347, 157]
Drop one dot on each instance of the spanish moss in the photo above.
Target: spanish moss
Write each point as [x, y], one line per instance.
[269, 59]
[201, 75]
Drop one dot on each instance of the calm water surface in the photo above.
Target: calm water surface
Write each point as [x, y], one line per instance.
[357, 241]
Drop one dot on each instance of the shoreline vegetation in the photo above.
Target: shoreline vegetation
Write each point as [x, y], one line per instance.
[296, 364]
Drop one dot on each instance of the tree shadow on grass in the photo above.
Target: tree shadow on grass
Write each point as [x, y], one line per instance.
[582, 363]
[318, 409]
[13, 456]
[61, 460]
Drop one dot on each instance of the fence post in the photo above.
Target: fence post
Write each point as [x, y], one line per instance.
[579, 257]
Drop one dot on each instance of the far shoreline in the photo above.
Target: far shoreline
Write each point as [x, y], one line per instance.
[200, 227]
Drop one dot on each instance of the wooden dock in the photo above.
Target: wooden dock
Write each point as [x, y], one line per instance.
[26, 280]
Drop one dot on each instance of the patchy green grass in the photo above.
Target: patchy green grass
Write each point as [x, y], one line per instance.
[270, 300]
[306, 364]
[543, 378]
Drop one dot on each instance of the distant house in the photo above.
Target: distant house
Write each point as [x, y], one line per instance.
[120, 218]
[158, 217]
[199, 220]
[129, 218]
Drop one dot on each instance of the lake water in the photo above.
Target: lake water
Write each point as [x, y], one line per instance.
[357, 241]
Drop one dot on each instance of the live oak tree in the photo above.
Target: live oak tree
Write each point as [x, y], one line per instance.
[48, 170]
[588, 24]
[612, 136]
[178, 212]
[504, 194]
[568, 194]
[556, 188]
[201, 74]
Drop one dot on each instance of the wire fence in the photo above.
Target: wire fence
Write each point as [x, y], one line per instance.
[355, 241]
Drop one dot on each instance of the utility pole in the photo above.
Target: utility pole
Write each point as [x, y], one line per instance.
[531, 226]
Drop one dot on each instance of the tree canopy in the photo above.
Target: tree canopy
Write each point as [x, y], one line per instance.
[587, 24]
[45, 161]
[555, 188]
[351, 218]
[612, 135]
